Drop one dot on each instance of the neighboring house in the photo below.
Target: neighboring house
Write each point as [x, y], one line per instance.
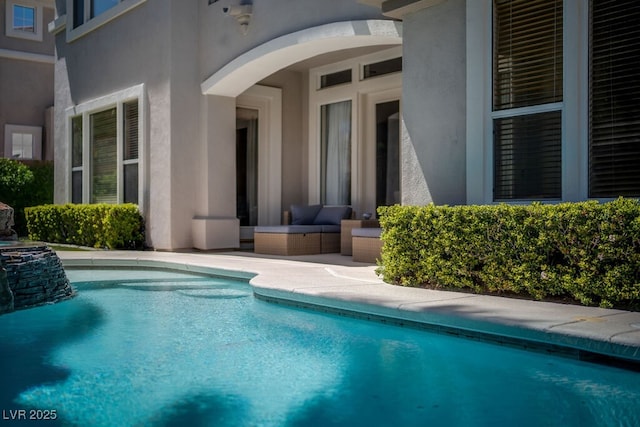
[26, 79]
[215, 116]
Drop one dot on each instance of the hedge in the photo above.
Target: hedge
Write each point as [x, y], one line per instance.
[24, 184]
[98, 225]
[587, 252]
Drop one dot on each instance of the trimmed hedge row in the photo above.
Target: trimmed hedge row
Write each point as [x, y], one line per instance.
[97, 225]
[586, 251]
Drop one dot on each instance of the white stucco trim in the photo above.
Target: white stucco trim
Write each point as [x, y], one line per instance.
[262, 61]
[27, 56]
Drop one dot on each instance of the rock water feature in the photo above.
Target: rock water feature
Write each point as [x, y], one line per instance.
[31, 274]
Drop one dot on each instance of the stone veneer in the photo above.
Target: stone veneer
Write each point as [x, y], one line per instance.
[31, 276]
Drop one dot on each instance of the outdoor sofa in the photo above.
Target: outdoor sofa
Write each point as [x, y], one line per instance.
[314, 229]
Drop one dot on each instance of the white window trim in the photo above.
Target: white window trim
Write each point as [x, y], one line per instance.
[91, 24]
[95, 106]
[38, 20]
[35, 131]
[574, 107]
[354, 92]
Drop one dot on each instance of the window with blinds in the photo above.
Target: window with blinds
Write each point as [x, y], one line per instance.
[76, 159]
[527, 92]
[527, 155]
[104, 159]
[614, 95]
[130, 152]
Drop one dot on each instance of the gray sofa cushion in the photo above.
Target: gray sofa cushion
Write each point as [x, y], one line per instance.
[289, 229]
[366, 232]
[332, 215]
[304, 214]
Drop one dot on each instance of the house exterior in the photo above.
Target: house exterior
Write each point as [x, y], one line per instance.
[215, 116]
[26, 79]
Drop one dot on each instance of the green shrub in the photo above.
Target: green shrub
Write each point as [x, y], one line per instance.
[99, 225]
[23, 185]
[587, 251]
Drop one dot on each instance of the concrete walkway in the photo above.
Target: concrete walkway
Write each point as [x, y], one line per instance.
[335, 282]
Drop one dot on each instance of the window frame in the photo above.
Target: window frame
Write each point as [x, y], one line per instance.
[37, 34]
[90, 24]
[574, 105]
[86, 110]
[359, 92]
[34, 131]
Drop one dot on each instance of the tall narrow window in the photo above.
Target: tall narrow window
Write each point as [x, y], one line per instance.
[247, 166]
[335, 156]
[388, 153]
[104, 161]
[614, 113]
[527, 95]
[130, 151]
[76, 159]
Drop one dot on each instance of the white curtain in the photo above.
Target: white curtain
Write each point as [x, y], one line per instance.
[336, 154]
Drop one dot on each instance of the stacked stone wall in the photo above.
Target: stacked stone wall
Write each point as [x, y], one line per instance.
[34, 276]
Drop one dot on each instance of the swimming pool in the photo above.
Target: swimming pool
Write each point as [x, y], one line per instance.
[163, 348]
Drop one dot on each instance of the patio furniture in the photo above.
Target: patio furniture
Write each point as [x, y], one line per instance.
[314, 229]
[367, 244]
[349, 224]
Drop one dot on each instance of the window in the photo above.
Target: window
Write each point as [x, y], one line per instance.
[381, 68]
[335, 154]
[24, 19]
[84, 10]
[86, 15]
[23, 142]
[76, 159]
[334, 79]
[104, 148]
[527, 99]
[614, 95]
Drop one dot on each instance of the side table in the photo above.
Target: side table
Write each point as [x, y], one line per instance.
[346, 225]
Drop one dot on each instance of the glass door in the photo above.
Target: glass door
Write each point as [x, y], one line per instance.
[247, 166]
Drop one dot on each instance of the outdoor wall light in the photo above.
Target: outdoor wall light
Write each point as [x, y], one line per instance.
[242, 13]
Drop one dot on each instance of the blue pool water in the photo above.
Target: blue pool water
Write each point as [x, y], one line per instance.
[169, 349]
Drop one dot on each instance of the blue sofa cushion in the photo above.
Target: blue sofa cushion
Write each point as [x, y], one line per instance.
[304, 214]
[332, 215]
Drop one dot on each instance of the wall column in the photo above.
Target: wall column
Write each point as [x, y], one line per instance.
[215, 225]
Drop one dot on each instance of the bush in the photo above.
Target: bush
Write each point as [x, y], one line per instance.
[587, 251]
[23, 185]
[99, 225]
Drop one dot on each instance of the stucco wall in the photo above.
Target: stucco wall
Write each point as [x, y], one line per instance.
[294, 140]
[26, 87]
[159, 54]
[223, 41]
[434, 105]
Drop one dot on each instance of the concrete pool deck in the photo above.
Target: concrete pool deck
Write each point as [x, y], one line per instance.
[335, 283]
